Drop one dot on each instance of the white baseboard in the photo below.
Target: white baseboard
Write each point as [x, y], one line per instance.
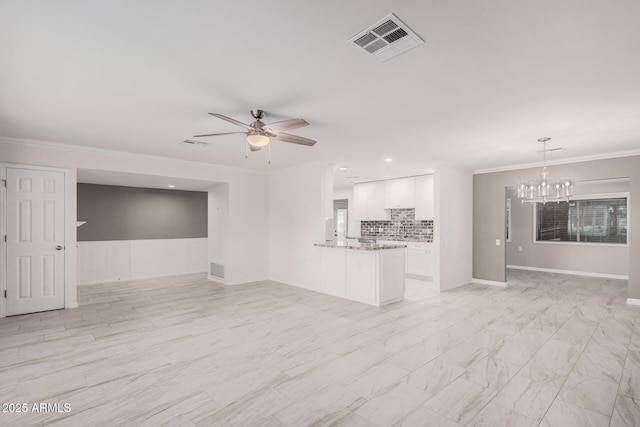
[489, 282]
[633, 301]
[418, 277]
[129, 279]
[71, 305]
[235, 282]
[574, 273]
[296, 285]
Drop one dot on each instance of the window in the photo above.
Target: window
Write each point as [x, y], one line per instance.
[601, 220]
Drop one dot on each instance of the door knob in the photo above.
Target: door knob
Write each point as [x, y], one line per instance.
[59, 248]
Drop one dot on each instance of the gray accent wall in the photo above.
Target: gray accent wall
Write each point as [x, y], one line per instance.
[132, 213]
[489, 192]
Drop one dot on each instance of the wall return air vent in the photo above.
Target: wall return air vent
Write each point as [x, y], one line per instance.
[386, 38]
[216, 270]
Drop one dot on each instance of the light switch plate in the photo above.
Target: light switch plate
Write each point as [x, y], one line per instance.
[497, 242]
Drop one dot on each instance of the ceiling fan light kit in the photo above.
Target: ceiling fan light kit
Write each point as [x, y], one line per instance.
[259, 134]
[257, 140]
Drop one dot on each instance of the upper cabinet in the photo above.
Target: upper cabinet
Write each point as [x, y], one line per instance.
[399, 193]
[424, 197]
[361, 201]
[368, 201]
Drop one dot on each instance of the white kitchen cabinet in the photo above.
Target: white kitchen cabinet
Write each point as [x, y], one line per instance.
[420, 259]
[361, 201]
[424, 197]
[431, 259]
[396, 242]
[390, 265]
[376, 201]
[334, 280]
[374, 277]
[399, 193]
[361, 275]
[368, 200]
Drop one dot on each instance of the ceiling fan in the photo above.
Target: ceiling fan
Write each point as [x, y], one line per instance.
[259, 133]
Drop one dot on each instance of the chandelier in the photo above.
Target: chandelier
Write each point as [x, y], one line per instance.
[545, 189]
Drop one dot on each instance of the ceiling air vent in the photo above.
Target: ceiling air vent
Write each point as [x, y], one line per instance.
[192, 143]
[386, 38]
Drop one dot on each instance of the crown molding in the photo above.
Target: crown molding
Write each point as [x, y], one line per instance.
[604, 156]
[116, 153]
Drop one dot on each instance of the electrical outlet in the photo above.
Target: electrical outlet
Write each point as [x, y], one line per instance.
[497, 242]
[519, 248]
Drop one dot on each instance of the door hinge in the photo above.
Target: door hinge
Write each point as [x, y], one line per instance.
[5, 238]
[5, 293]
[4, 182]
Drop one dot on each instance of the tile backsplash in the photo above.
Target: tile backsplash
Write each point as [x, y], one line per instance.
[402, 223]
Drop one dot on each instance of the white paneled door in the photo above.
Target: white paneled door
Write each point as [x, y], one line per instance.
[35, 240]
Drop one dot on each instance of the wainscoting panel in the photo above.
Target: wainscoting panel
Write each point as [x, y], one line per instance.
[115, 260]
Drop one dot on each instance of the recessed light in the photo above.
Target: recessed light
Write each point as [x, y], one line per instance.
[343, 168]
[388, 159]
[387, 176]
[430, 171]
[171, 186]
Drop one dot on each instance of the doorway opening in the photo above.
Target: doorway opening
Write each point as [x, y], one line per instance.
[341, 219]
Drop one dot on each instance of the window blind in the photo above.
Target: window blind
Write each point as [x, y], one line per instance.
[602, 220]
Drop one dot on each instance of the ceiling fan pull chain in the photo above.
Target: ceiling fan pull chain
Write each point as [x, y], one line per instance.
[269, 147]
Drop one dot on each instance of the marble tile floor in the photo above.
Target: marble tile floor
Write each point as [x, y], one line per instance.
[548, 350]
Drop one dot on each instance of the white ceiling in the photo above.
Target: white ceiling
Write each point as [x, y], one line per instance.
[492, 78]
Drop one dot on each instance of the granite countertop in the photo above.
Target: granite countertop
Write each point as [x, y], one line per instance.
[406, 239]
[358, 246]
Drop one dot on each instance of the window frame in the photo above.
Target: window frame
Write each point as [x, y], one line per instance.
[626, 195]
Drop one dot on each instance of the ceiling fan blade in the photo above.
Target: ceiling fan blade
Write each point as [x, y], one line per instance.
[295, 139]
[218, 134]
[252, 148]
[285, 125]
[230, 120]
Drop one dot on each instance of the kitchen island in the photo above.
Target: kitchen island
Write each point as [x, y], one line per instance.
[365, 272]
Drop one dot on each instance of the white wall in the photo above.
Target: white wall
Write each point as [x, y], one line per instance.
[247, 210]
[116, 260]
[218, 225]
[299, 204]
[453, 194]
